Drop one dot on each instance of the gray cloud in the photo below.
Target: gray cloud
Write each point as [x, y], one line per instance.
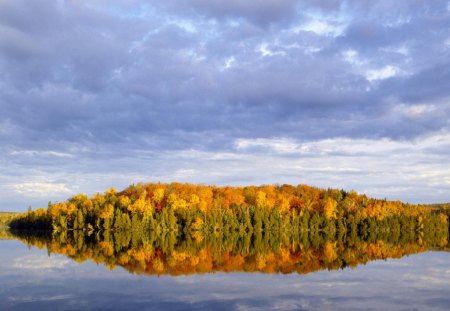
[127, 78]
[262, 13]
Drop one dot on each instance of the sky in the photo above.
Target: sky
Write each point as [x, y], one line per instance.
[340, 94]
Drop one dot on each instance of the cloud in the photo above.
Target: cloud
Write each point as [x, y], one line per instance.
[41, 189]
[262, 12]
[34, 153]
[414, 111]
[321, 28]
[382, 73]
[83, 84]
[276, 145]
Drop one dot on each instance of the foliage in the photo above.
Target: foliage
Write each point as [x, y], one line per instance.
[185, 208]
[6, 217]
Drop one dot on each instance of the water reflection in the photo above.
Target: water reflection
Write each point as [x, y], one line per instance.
[153, 254]
[31, 279]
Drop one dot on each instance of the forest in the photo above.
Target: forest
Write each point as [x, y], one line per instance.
[202, 210]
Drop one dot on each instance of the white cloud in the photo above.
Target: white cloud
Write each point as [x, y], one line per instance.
[352, 57]
[283, 145]
[409, 170]
[228, 63]
[41, 189]
[321, 27]
[322, 147]
[401, 49]
[184, 173]
[414, 111]
[33, 153]
[401, 20]
[382, 73]
[29, 298]
[186, 25]
[264, 49]
[414, 171]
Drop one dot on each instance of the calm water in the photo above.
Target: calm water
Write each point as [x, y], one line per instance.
[31, 279]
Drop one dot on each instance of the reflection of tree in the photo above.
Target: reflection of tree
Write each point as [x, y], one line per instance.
[5, 234]
[267, 252]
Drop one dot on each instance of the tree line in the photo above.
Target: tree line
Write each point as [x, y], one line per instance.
[203, 210]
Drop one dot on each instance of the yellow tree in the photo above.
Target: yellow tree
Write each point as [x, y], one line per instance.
[124, 202]
[158, 196]
[271, 197]
[176, 203]
[205, 195]
[330, 208]
[140, 204]
[194, 200]
[232, 196]
[260, 199]
[107, 211]
[284, 203]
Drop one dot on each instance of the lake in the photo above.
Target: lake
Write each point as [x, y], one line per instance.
[73, 272]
